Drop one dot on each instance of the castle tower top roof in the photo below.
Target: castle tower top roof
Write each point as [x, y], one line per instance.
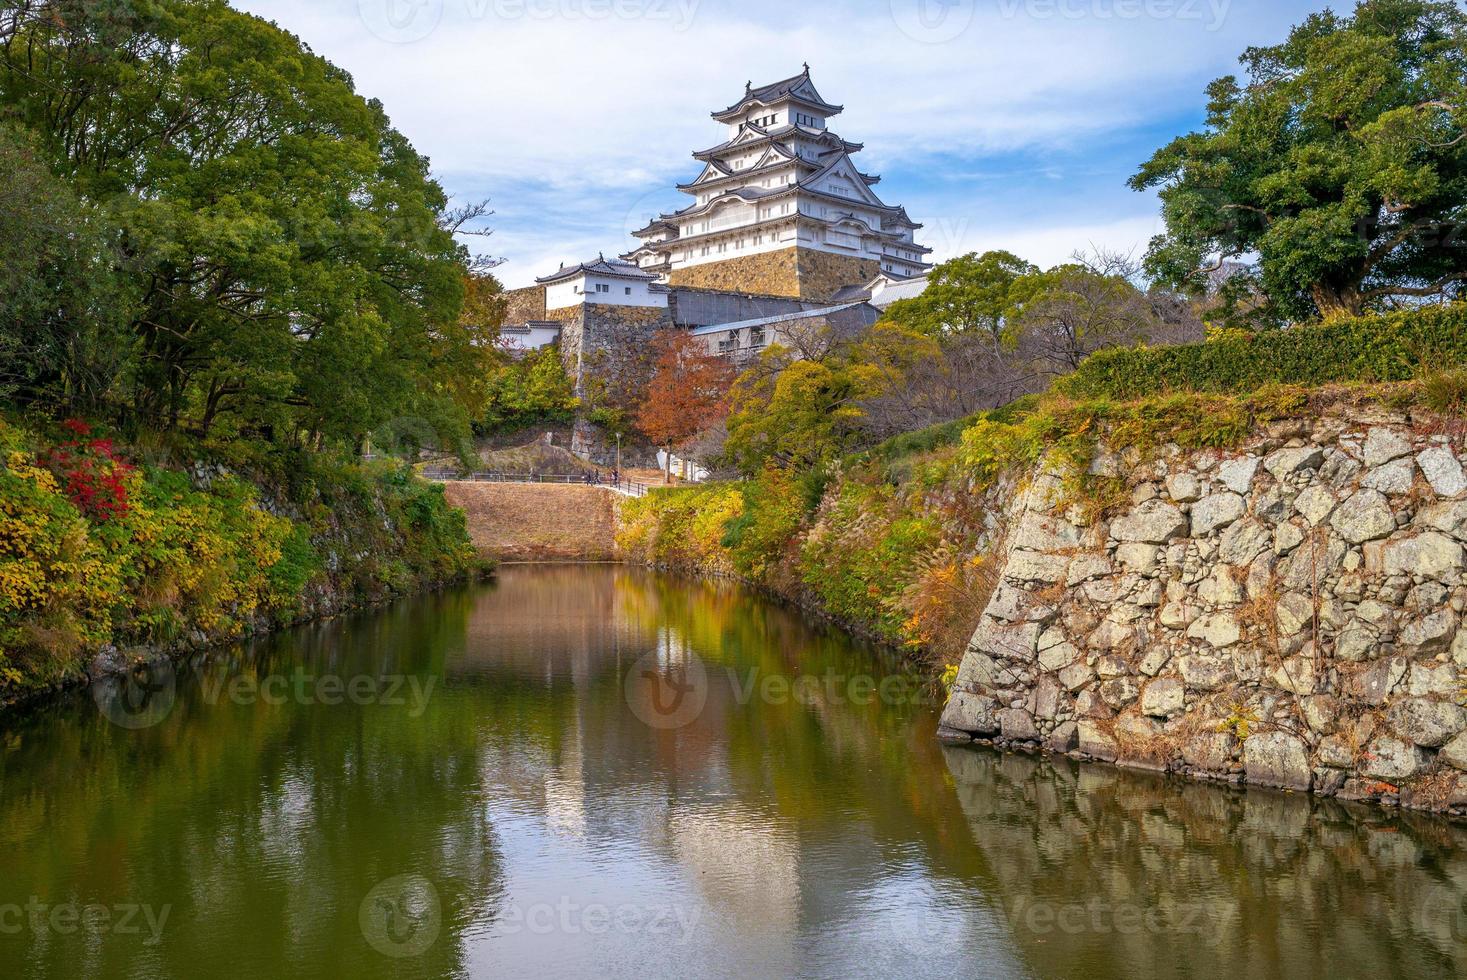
[796, 88]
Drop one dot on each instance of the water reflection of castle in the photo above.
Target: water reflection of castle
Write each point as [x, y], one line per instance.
[602, 779]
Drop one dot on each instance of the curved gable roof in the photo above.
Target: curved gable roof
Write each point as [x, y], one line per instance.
[797, 88]
[602, 266]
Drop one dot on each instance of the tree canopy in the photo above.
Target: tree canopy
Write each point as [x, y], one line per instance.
[1340, 163]
[284, 262]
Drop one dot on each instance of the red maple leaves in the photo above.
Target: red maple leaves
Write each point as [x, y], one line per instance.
[90, 472]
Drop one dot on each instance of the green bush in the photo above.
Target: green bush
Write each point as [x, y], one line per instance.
[217, 560]
[1370, 349]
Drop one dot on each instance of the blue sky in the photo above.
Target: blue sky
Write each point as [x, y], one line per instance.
[998, 123]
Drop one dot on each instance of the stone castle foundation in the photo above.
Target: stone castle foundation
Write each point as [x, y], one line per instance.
[1288, 614]
[800, 273]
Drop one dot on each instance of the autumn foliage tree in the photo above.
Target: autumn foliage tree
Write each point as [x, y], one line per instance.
[687, 394]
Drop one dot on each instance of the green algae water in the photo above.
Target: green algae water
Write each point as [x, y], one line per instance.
[596, 771]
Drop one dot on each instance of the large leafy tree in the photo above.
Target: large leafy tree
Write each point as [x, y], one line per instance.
[63, 334]
[294, 265]
[687, 394]
[1340, 163]
[971, 294]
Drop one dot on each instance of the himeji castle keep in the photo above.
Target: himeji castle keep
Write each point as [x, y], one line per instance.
[781, 224]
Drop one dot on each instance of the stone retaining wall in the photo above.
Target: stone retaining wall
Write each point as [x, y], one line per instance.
[1286, 615]
[768, 273]
[804, 273]
[524, 304]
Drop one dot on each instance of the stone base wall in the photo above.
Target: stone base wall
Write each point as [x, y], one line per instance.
[524, 305]
[591, 327]
[822, 273]
[801, 273]
[769, 273]
[1285, 615]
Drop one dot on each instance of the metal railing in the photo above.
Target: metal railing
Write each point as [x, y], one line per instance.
[624, 487]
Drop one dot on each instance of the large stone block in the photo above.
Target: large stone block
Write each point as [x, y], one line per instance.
[1019, 642]
[972, 713]
[1443, 471]
[1163, 697]
[1384, 445]
[1154, 522]
[1038, 532]
[1393, 760]
[1237, 474]
[1425, 722]
[1216, 511]
[1430, 555]
[1366, 516]
[1018, 724]
[1210, 751]
[1277, 759]
[1095, 740]
[1286, 462]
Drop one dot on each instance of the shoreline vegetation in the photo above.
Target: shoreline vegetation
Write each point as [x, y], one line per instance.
[111, 563]
[900, 543]
[226, 283]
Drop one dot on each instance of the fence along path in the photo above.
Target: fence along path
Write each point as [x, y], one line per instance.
[626, 488]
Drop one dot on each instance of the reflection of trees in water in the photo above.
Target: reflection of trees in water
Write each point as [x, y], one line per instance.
[1246, 884]
[263, 826]
[836, 833]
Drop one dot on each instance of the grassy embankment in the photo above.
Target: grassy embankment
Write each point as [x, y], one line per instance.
[173, 548]
[898, 543]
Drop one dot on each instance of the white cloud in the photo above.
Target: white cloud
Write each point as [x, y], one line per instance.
[571, 121]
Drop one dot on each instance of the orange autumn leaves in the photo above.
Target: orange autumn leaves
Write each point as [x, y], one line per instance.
[688, 393]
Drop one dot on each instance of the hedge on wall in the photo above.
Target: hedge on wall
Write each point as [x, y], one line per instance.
[1397, 347]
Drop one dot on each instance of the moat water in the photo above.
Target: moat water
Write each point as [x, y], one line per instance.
[597, 771]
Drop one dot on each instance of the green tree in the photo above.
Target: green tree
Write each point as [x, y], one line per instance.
[533, 390]
[295, 269]
[63, 336]
[1341, 164]
[796, 413]
[971, 293]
